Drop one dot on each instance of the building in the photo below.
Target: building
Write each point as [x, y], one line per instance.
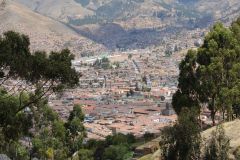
[168, 111]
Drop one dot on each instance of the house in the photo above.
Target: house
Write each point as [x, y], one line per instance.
[168, 111]
[140, 111]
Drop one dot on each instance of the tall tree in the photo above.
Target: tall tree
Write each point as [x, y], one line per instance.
[187, 94]
[35, 75]
[183, 140]
[216, 59]
[34, 69]
[75, 130]
[210, 75]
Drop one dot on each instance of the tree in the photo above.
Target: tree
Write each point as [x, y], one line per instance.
[17, 61]
[168, 53]
[50, 142]
[218, 146]
[131, 138]
[118, 143]
[183, 140]
[58, 130]
[148, 136]
[117, 139]
[12, 126]
[115, 65]
[49, 136]
[187, 94]
[60, 139]
[235, 28]
[75, 130]
[85, 154]
[76, 113]
[43, 73]
[24, 105]
[103, 63]
[210, 75]
[130, 56]
[99, 148]
[16, 151]
[216, 59]
[118, 152]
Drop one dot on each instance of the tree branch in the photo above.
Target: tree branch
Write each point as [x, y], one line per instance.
[35, 100]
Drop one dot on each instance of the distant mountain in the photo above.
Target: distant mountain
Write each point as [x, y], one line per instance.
[57, 9]
[45, 33]
[142, 23]
[139, 23]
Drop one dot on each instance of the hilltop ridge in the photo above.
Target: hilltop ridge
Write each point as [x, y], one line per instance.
[128, 24]
[45, 33]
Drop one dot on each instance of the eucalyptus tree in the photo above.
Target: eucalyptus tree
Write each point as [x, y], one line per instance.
[35, 76]
[210, 74]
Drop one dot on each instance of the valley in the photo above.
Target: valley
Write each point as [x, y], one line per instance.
[125, 25]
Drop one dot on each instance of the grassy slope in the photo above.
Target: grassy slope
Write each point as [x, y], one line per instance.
[232, 130]
[155, 156]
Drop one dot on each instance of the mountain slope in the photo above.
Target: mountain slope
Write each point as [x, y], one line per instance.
[137, 13]
[44, 33]
[139, 23]
[57, 9]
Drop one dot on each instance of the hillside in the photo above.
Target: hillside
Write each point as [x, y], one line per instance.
[139, 23]
[154, 13]
[231, 130]
[57, 9]
[134, 24]
[45, 33]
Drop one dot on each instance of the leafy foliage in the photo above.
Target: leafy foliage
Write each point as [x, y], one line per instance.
[183, 140]
[16, 58]
[115, 147]
[103, 63]
[118, 152]
[24, 113]
[210, 75]
[85, 154]
[60, 140]
[218, 146]
[75, 130]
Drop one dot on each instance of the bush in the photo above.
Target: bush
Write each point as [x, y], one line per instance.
[218, 146]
